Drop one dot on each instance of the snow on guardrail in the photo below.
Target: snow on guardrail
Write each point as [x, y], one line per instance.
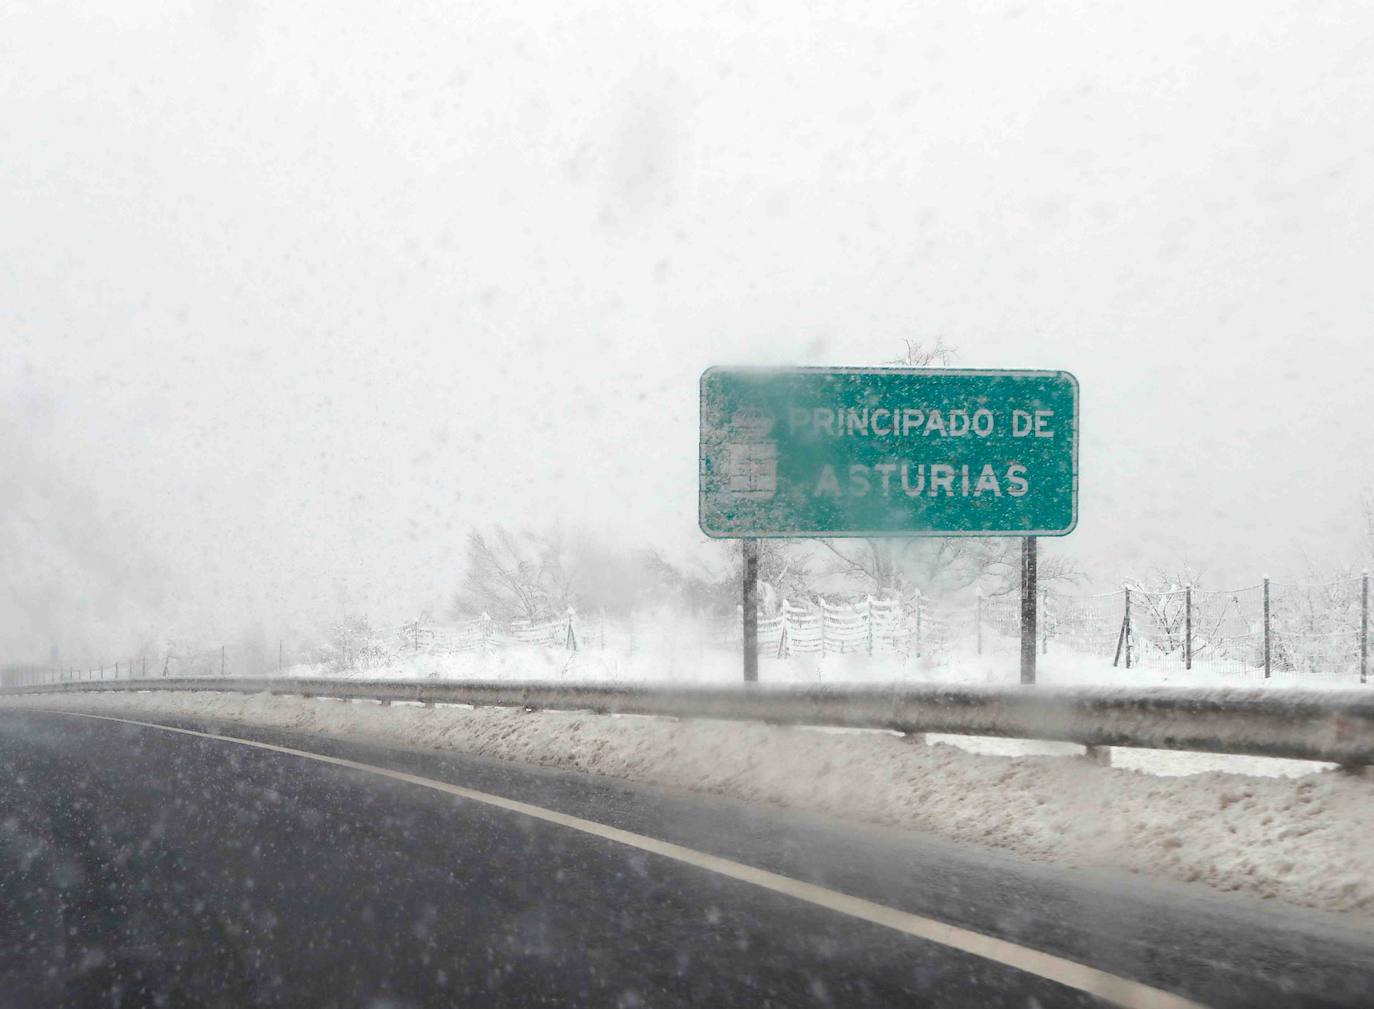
[1332, 726]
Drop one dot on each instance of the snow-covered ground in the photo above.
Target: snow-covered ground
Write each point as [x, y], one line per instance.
[1303, 839]
[679, 651]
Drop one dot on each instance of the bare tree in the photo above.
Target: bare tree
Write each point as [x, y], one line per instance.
[355, 644]
[898, 567]
[1161, 601]
[784, 572]
[919, 354]
[516, 576]
[695, 586]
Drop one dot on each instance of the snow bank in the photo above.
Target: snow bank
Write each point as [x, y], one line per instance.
[1303, 840]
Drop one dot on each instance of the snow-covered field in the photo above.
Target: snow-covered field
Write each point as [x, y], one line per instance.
[667, 648]
[711, 663]
[1303, 838]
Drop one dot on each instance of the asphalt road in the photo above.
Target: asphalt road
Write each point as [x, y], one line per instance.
[143, 867]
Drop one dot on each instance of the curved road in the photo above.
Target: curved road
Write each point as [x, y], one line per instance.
[141, 866]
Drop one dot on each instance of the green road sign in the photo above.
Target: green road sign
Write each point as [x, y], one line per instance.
[888, 452]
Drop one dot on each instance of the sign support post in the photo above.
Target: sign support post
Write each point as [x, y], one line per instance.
[1028, 614]
[751, 610]
[1364, 625]
[1188, 627]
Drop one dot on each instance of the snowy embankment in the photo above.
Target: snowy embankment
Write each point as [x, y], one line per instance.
[1303, 839]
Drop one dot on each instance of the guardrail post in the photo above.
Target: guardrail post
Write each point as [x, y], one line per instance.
[1266, 627]
[1364, 625]
[751, 611]
[1101, 755]
[1188, 627]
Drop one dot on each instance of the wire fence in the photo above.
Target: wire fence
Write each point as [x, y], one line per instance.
[1299, 628]
[1307, 628]
[143, 664]
[1312, 628]
[482, 633]
[352, 646]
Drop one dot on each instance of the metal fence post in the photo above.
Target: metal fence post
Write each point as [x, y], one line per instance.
[978, 621]
[918, 623]
[1364, 625]
[1266, 627]
[782, 631]
[1188, 627]
[821, 601]
[1044, 621]
[1126, 627]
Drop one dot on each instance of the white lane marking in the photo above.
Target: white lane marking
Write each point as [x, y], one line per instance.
[1119, 990]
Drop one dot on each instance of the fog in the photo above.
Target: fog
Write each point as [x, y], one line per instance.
[292, 298]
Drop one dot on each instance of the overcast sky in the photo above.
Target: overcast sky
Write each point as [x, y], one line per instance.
[293, 295]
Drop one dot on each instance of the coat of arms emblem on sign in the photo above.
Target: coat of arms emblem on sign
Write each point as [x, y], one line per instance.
[753, 456]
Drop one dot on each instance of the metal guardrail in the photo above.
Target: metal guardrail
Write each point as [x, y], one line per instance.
[1335, 726]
